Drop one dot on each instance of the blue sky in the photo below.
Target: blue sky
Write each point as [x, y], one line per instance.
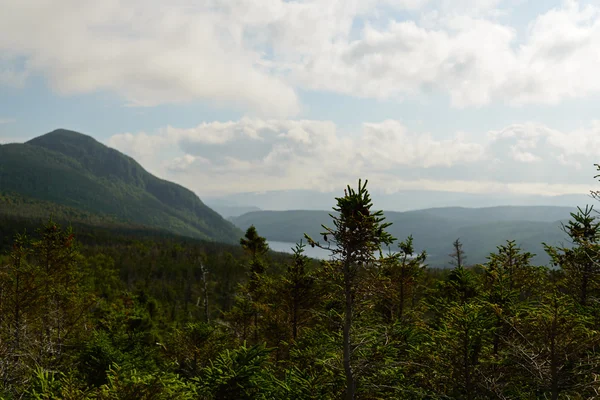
[225, 96]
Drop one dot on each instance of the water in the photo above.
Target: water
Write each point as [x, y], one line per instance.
[286, 247]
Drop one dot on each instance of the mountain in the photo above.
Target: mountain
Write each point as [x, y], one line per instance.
[79, 175]
[400, 201]
[232, 211]
[479, 229]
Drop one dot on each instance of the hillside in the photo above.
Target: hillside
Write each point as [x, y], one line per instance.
[75, 171]
[479, 229]
[232, 211]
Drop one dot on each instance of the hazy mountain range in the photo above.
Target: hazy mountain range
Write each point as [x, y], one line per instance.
[434, 230]
[400, 201]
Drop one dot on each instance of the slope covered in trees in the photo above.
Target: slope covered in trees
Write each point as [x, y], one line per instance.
[434, 230]
[74, 171]
[124, 316]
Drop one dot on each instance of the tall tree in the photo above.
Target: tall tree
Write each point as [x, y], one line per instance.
[399, 277]
[357, 235]
[461, 283]
[256, 246]
[581, 262]
[297, 286]
[507, 275]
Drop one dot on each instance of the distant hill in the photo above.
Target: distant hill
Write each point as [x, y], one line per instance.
[74, 175]
[479, 229]
[406, 200]
[232, 211]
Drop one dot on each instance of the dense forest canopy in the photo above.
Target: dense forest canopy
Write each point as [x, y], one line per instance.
[110, 312]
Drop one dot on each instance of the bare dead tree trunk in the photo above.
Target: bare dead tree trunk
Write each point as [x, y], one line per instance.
[204, 293]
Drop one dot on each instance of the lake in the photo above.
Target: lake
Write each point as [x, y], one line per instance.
[286, 247]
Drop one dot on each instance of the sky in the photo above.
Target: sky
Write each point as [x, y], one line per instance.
[227, 96]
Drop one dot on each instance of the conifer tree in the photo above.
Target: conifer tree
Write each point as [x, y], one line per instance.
[297, 286]
[459, 342]
[357, 235]
[581, 262]
[461, 284]
[256, 246]
[46, 301]
[554, 346]
[506, 277]
[399, 275]
[62, 302]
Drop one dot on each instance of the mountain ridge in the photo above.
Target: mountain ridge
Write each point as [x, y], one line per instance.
[75, 170]
[434, 230]
[407, 200]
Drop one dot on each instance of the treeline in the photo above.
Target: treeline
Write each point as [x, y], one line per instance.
[162, 318]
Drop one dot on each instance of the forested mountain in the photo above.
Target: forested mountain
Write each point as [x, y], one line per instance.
[479, 229]
[82, 178]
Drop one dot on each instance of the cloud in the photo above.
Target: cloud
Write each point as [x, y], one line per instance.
[475, 60]
[389, 143]
[256, 55]
[404, 59]
[180, 164]
[7, 121]
[255, 154]
[549, 145]
[558, 59]
[146, 51]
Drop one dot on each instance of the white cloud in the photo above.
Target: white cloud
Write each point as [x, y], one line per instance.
[475, 60]
[388, 143]
[6, 121]
[559, 59]
[256, 154]
[541, 142]
[255, 55]
[404, 59]
[147, 51]
[179, 164]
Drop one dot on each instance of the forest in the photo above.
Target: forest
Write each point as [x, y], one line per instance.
[87, 313]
